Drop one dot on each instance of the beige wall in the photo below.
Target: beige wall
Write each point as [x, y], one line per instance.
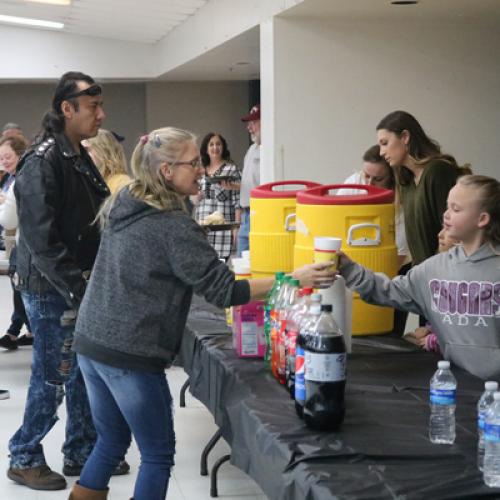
[333, 81]
[135, 108]
[201, 107]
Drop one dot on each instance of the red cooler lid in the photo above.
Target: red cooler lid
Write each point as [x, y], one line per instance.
[273, 189]
[321, 195]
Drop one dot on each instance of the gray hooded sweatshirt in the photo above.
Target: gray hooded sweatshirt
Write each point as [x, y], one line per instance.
[149, 264]
[459, 295]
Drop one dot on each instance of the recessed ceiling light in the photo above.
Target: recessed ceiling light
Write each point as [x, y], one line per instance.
[404, 2]
[53, 2]
[26, 21]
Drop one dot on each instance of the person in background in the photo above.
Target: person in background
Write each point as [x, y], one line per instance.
[213, 195]
[377, 172]
[131, 322]
[458, 290]
[424, 336]
[12, 130]
[11, 149]
[58, 191]
[425, 176]
[109, 157]
[250, 177]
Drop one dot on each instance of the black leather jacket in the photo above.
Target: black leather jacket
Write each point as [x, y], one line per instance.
[58, 194]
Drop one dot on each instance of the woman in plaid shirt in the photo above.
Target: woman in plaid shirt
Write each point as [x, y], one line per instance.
[221, 196]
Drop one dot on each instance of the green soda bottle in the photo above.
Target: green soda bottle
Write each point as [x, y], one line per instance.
[268, 307]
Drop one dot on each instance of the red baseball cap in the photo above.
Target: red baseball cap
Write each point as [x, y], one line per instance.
[253, 115]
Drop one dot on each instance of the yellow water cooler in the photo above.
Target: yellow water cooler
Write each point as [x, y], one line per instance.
[271, 235]
[365, 222]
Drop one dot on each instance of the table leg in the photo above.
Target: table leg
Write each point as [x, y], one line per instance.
[213, 475]
[182, 397]
[208, 448]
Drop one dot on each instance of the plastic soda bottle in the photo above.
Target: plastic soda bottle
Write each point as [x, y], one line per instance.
[300, 383]
[293, 321]
[288, 302]
[268, 307]
[275, 324]
[325, 373]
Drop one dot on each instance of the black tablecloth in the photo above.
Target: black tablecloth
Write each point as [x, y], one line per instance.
[382, 450]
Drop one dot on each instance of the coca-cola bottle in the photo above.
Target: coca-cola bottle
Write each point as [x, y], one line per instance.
[325, 369]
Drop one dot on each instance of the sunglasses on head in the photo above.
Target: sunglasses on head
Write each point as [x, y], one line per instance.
[91, 91]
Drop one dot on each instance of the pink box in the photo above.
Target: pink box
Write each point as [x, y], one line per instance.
[248, 330]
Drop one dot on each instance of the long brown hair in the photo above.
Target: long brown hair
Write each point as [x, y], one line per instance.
[420, 147]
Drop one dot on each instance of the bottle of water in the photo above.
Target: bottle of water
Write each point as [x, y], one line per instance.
[442, 402]
[483, 406]
[491, 468]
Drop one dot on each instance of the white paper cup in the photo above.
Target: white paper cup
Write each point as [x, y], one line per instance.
[326, 250]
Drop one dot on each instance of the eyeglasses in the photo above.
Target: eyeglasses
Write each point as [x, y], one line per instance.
[196, 163]
[91, 91]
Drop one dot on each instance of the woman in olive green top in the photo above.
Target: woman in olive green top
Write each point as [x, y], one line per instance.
[425, 176]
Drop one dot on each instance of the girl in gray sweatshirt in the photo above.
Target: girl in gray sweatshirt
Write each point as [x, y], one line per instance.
[457, 291]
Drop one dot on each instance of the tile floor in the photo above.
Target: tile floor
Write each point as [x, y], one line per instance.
[194, 427]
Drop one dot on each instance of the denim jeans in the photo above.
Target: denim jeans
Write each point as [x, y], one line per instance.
[47, 388]
[125, 402]
[18, 318]
[242, 242]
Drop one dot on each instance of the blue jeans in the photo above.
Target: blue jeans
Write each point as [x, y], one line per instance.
[47, 388]
[126, 402]
[242, 242]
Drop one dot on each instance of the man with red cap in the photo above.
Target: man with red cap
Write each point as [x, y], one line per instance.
[250, 177]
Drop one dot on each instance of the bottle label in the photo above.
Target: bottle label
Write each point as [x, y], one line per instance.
[325, 367]
[491, 432]
[480, 420]
[443, 396]
[300, 383]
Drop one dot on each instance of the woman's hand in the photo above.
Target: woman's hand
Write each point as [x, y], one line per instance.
[315, 275]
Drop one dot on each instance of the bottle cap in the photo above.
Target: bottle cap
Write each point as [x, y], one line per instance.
[443, 365]
[326, 308]
[279, 275]
[496, 396]
[491, 385]
[307, 291]
[295, 282]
